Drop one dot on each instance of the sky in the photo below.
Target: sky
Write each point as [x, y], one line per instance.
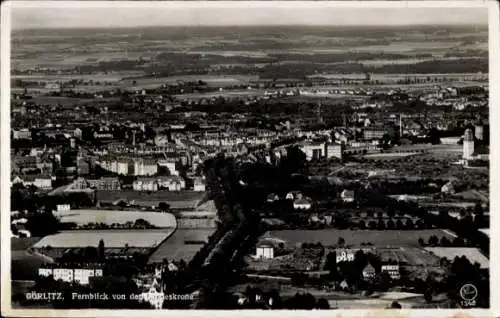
[109, 15]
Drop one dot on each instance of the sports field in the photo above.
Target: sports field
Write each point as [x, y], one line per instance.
[379, 238]
[183, 244]
[82, 217]
[472, 253]
[111, 238]
[176, 200]
[411, 256]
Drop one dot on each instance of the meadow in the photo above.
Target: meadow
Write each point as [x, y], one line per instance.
[379, 238]
[82, 217]
[111, 238]
[472, 253]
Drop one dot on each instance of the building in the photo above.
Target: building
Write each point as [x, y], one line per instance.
[272, 197]
[392, 270]
[313, 150]
[265, 251]
[334, 150]
[170, 166]
[40, 181]
[369, 272]
[171, 183]
[145, 167]
[105, 183]
[344, 255]
[468, 147]
[21, 134]
[72, 274]
[347, 196]
[479, 132]
[302, 204]
[63, 208]
[145, 184]
[375, 133]
[450, 140]
[199, 185]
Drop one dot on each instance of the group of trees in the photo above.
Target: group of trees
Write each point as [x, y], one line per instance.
[443, 242]
[392, 224]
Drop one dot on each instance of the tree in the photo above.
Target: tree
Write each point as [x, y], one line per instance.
[421, 241]
[341, 241]
[445, 241]
[101, 250]
[428, 295]
[395, 305]
[381, 224]
[322, 304]
[433, 240]
[390, 224]
[164, 206]
[372, 225]
[410, 224]
[399, 224]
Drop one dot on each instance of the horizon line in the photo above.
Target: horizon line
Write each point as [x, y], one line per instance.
[458, 24]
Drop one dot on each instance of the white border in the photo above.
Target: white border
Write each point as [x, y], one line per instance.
[494, 76]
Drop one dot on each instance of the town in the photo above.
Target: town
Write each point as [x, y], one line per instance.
[194, 185]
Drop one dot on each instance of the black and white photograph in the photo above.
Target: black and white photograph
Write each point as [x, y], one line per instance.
[245, 156]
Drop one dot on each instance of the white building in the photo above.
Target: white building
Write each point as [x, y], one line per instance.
[21, 134]
[145, 184]
[145, 167]
[468, 149]
[302, 204]
[392, 270]
[313, 150]
[199, 185]
[78, 275]
[344, 255]
[63, 208]
[265, 252]
[347, 196]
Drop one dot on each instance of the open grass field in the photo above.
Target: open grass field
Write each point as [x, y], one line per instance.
[387, 238]
[112, 238]
[473, 254]
[389, 155]
[176, 248]
[82, 217]
[66, 101]
[177, 200]
[211, 80]
[485, 231]
[411, 256]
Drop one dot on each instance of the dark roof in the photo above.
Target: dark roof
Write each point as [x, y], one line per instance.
[482, 150]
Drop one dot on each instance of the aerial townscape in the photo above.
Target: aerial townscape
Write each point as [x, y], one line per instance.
[254, 167]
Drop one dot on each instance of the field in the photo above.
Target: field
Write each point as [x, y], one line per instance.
[485, 231]
[82, 217]
[211, 80]
[177, 200]
[473, 254]
[176, 248]
[330, 237]
[67, 101]
[411, 256]
[389, 156]
[112, 238]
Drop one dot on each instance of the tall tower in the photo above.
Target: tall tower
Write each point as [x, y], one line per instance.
[320, 117]
[479, 131]
[468, 144]
[400, 126]
[133, 137]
